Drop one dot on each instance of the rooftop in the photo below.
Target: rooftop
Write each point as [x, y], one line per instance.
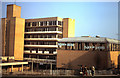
[90, 39]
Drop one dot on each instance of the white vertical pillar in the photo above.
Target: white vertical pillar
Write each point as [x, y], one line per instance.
[56, 28]
[51, 68]
[56, 22]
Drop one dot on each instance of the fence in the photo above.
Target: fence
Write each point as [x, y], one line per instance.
[60, 72]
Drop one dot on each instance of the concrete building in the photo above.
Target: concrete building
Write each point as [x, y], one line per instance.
[13, 33]
[43, 42]
[98, 51]
[13, 27]
[34, 40]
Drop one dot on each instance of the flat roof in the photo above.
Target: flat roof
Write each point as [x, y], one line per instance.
[90, 39]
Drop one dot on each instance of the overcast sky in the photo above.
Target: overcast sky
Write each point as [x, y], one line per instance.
[91, 18]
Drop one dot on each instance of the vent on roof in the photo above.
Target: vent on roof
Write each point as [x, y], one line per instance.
[85, 36]
[98, 36]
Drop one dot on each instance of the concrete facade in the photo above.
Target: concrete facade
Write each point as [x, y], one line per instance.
[13, 33]
[68, 27]
[70, 59]
[42, 36]
[101, 52]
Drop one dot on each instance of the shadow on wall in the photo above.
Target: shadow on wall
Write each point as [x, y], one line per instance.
[119, 61]
[70, 59]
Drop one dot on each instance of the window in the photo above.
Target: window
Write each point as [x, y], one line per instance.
[45, 23]
[35, 36]
[41, 23]
[69, 46]
[50, 22]
[27, 36]
[59, 23]
[27, 43]
[62, 46]
[34, 24]
[52, 29]
[39, 36]
[102, 46]
[26, 48]
[45, 36]
[28, 23]
[86, 46]
[60, 29]
[54, 22]
[60, 36]
[94, 44]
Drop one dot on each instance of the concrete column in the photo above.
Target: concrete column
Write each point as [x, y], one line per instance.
[76, 46]
[51, 68]
[31, 24]
[56, 22]
[22, 67]
[83, 44]
[12, 68]
[57, 36]
[56, 28]
[32, 67]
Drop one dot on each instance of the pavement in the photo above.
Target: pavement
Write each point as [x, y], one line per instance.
[61, 76]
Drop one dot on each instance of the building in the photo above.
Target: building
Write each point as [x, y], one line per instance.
[43, 43]
[13, 27]
[34, 40]
[98, 51]
[13, 33]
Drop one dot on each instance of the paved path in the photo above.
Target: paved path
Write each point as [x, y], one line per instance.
[73, 76]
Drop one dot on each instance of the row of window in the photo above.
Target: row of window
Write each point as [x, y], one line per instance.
[43, 23]
[44, 29]
[43, 36]
[40, 49]
[39, 43]
[40, 57]
[88, 46]
[114, 47]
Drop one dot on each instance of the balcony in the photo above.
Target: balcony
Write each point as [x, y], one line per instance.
[39, 52]
[44, 32]
[41, 39]
[43, 26]
[40, 60]
[41, 46]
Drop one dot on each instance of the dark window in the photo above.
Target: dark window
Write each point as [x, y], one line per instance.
[59, 23]
[41, 23]
[54, 22]
[45, 23]
[52, 29]
[34, 24]
[60, 36]
[50, 22]
[60, 29]
[28, 23]
[86, 46]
